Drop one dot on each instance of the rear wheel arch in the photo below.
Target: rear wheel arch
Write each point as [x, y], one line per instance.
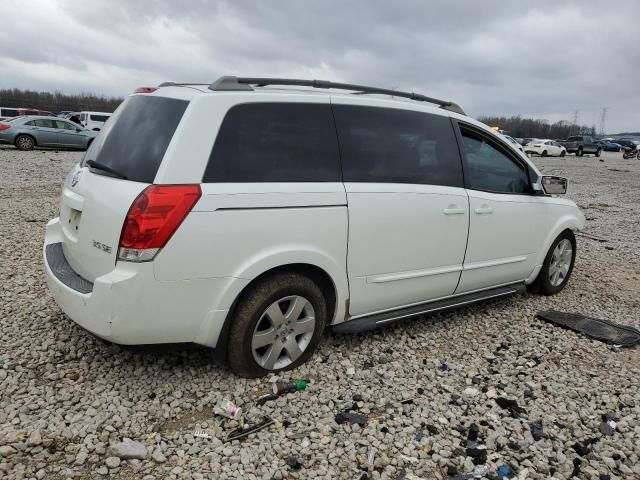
[318, 275]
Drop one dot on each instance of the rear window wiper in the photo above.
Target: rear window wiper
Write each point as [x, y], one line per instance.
[105, 168]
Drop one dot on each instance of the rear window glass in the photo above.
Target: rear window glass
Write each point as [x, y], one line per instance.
[136, 138]
[276, 142]
[99, 118]
[384, 145]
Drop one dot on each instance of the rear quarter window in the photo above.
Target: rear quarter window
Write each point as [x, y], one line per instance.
[136, 137]
[275, 142]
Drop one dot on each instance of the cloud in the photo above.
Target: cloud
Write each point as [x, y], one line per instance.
[544, 59]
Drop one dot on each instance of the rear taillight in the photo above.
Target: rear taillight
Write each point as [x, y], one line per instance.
[145, 89]
[4, 127]
[153, 218]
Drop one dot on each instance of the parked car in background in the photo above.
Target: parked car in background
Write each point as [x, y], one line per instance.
[64, 113]
[526, 141]
[262, 215]
[8, 113]
[513, 142]
[28, 132]
[612, 147]
[546, 148]
[627, 143]
[581, 144]
[92, 120]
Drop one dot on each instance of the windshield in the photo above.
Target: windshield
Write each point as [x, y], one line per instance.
[135, 139]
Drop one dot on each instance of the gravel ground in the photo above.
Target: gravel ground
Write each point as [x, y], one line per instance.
[67, 399]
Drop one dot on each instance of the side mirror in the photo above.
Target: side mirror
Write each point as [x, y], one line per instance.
[554, 185]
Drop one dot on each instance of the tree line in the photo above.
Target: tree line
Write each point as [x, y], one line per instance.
[57, 101]
[517, 126]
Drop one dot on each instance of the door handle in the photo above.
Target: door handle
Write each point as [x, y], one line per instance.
[483, 210]
[453, 210]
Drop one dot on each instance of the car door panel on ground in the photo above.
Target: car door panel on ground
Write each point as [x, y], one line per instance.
[507, 222]
[408, 210]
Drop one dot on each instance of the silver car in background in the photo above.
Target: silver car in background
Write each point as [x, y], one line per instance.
[29, 132]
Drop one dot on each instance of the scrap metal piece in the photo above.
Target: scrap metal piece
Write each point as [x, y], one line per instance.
[246, 430]
[600, 329]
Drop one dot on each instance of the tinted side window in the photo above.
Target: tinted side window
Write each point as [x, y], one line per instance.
[136, 138]
[275, 142]
[64, 125]
[8, 112]
[489, 168]
[397, 146]
[44, 123]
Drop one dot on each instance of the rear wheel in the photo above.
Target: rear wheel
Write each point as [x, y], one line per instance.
[544, 153]
[25, 142]
[563, 153]
[557, 266]
[276, 326]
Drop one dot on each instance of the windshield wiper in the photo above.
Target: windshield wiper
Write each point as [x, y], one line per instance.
[105, 168]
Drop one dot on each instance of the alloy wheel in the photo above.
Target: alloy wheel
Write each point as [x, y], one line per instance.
[283, 332]
[560, 262]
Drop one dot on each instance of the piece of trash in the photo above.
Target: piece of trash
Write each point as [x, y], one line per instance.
[444, 367]
[474, 430]
[480, 471]
[604, 330]
[528, 393]
[367, 364]
[537, 430]
[351, 371]
[616, 347]
[293, 462]
[226, 408]
[478, 454]
[267, 398]
[371, 457]
[357, 398]
[507, 404]
[246, 430]
[592, 237]
[505, 471]
[351, 418]
[280, 388]
[201, 434]
[608, 428]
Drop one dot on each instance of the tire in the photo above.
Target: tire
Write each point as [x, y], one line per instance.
[544, 153]
[253, 323]
[598, 152]
[563, 153]
[547, 283]
[25, 142]
[580, 152]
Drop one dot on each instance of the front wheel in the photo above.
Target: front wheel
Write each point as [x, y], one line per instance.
[580, 153]
[276, 326]
[558, 265]
[563, 153]
[544, 153]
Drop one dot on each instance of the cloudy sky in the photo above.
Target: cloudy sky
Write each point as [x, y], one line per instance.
[541, 58]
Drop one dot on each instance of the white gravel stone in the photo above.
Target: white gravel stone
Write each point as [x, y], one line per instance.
[127, 449]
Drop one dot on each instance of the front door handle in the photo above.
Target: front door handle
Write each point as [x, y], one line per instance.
[483, 210]
[453, 210]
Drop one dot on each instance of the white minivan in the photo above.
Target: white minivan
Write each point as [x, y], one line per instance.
[249, 214]
[92, 120]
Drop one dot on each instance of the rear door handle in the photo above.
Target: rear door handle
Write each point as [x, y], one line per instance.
[453, 210]
[483, 210]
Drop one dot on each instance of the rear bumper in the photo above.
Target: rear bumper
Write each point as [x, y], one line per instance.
[130, 307]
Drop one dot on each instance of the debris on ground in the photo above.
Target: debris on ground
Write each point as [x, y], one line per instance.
[267, 398]
[226, 408]
[201, 434]
[512, 405]
[607, 427]
[537, 430]
[294, 463]
[280, 388]
[444, 367]
[351, 418]
[480, 471]
[591, 237]
[478, 454]
[248, 429]
[600, 329]
[505, 471]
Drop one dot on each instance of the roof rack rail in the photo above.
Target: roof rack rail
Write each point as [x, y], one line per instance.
[244, 83]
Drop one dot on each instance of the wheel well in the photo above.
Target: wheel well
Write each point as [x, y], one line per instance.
[317, 274]
[26, 135]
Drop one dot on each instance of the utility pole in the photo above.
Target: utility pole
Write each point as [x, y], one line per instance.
[603, 117]
[575, 117]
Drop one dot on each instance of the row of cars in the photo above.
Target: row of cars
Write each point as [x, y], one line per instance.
[30, 128]
[579, 145]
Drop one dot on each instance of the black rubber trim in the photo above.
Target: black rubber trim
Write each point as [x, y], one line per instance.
[63, 271]
[381, 319]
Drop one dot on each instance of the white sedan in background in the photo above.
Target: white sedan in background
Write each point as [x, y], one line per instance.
[513, 142]
[546, 148]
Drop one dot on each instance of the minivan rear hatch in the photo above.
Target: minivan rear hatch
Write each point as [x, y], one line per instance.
[121, 162]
